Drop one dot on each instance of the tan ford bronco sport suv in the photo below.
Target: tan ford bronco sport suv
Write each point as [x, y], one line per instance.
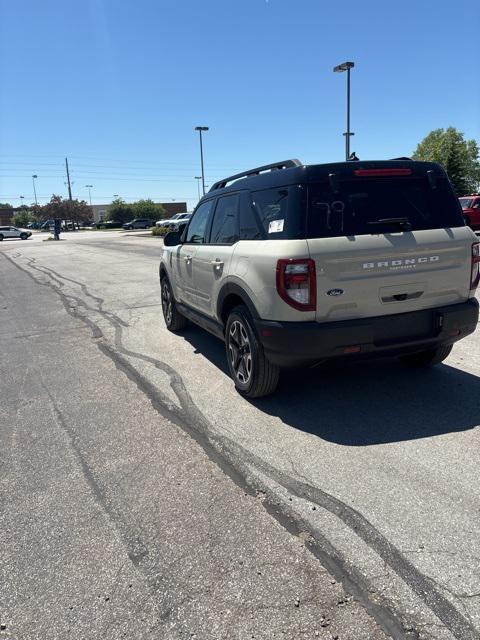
[292, 264]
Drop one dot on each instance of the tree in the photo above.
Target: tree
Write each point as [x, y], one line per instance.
[148, 209]
[36, 212]
[78, 210]
[74, 210]
[120, 211]
[22, 218]
[459, 157]
[5, 205]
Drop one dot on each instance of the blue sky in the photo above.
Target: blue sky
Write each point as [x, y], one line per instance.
[118, 86]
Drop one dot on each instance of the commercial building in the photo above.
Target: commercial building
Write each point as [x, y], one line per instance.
[6, 215]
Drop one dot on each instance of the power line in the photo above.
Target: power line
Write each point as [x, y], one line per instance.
[139, 197]
[114, 160]
[113, 178]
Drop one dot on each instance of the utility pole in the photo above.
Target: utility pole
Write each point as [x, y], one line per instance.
[69, 191]
[68, 180]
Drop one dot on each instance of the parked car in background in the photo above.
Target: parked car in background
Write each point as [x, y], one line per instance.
[34, 225]
[167, 221]
[183, 218]
[138, 223]
[471, 210]
[173, 222]
[109, 224]
[14, 232]
[45, 226]
[67, 225]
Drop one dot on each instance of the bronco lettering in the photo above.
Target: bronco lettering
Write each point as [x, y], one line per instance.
[395, 264]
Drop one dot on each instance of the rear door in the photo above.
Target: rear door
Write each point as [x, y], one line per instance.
[184, 256]
[386, 244]
[212, 260]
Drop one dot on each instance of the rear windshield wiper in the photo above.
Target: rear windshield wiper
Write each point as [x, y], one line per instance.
[403, 223]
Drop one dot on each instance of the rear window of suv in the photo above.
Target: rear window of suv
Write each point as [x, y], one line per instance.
[359, 205]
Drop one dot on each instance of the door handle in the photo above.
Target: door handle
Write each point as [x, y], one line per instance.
[187, 258]
[217, 263]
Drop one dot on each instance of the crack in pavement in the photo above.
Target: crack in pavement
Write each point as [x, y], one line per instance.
[136, 549]
[238, 463]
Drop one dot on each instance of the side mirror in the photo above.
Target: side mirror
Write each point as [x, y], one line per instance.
[172, 239]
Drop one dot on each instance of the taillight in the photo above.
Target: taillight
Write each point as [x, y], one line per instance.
[475, 274]
[401, 171]
[296, 283]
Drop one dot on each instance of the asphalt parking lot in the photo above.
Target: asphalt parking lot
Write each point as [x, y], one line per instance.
[143, 497]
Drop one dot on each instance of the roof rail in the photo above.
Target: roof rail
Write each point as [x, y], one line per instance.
[401, 158]
[285, 164]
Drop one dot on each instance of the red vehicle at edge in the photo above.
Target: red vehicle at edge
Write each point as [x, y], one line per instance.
[471, 210]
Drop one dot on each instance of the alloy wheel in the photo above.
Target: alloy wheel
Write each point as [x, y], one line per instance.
[240, 352]
[167, 306]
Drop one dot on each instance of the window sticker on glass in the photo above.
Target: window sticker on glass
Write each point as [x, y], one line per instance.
[275, 226]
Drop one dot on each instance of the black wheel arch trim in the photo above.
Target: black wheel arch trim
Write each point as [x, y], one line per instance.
[162, 271]
[230, 288]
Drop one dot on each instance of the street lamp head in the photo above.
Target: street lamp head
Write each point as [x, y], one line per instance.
[343, 67]
[35, 176]
[198, 177]
[201, 128]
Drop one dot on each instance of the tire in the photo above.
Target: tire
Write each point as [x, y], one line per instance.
[427, 358]
[172, 316]
[253, 374]
[23, 236]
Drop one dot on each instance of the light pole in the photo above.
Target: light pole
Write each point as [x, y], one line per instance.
[198, 178]
[89, 186]
[200, 129]
[346, 66]
[21, 200]
[34, 189]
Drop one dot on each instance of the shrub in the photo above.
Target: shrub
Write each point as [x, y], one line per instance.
[159, 231]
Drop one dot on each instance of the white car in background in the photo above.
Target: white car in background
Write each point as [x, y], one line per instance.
[172, 222]
[14, 232]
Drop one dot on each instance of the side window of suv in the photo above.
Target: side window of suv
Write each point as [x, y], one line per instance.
[271, 207]
[225, 221]
[197, 229]
[249, 225]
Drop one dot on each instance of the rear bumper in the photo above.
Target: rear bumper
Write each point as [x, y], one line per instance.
[300, 343]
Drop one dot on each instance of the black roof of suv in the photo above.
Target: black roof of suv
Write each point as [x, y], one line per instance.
[293, 172]
[346, 198]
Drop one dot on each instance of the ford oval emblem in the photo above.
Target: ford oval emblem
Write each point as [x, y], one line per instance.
[335, 292]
